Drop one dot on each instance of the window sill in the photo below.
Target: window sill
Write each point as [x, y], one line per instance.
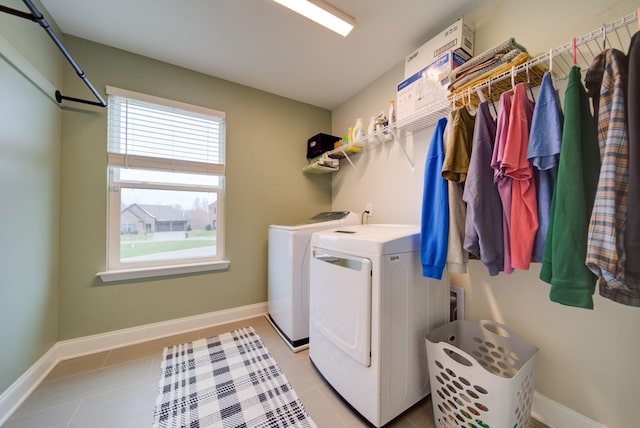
[152, 272]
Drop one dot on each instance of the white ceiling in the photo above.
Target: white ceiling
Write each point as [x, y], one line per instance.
[261, 44]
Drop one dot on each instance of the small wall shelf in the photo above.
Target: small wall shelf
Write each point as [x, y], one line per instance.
[317, 165]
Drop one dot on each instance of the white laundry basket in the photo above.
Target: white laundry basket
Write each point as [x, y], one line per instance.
[481, 374]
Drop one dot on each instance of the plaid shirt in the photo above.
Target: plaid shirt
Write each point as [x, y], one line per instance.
[606, 82]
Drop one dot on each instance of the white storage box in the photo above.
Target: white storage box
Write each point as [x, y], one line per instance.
[426, 86]
[482, 375]
[458, 38]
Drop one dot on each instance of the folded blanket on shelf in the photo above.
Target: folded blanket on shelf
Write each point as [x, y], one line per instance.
[486, 61]
[494, 72]
[485, 67]
[504, 47]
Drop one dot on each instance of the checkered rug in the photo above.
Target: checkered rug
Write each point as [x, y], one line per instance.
[229, 380]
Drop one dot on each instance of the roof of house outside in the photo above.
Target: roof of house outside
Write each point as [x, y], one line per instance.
[161, 212]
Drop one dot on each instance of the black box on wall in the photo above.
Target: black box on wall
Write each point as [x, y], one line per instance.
[320, 143]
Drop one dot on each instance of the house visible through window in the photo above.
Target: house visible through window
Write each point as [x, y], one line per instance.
[166, 182]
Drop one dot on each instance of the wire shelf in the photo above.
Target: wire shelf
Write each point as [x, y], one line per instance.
[559, 61]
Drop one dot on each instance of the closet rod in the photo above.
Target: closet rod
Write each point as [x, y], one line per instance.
[36, 16]
[548, 57]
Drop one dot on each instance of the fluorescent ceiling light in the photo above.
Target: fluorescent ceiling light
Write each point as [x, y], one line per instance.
[321, 13]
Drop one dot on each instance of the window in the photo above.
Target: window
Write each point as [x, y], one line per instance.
[166, 182]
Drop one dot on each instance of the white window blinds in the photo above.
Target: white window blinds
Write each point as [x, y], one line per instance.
[156, 133]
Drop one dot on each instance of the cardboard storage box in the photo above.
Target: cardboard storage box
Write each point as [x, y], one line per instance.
[426, 86]
[458, 38]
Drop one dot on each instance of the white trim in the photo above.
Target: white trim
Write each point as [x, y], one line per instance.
[152, 272]
[130, 336]
[555, 415]
[17, 392]
[111, 90]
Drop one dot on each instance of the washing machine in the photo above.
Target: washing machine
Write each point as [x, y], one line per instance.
[288, 274]
[370, 310]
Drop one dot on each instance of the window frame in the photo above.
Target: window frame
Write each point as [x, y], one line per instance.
[116, 270]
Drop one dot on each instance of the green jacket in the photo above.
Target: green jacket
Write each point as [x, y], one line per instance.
[563, 262]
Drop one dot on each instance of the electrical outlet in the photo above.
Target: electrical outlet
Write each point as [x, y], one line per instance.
[369, 207]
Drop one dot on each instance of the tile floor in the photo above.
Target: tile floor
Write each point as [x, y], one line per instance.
[117, 388]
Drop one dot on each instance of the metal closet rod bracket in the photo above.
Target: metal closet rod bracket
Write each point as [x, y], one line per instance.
[36, 16]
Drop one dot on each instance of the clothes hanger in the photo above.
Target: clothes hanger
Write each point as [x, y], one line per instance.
[529, 81]
[553, 81]
[493, 104]
[480, 94]
[513, 79]
[481, 97]
[604, 37]
[469, 106]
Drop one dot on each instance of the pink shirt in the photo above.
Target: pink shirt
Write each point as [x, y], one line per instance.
[524, 204]
[503, 183]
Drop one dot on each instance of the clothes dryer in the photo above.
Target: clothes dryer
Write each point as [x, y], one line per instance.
[370, 310]
[288, 274]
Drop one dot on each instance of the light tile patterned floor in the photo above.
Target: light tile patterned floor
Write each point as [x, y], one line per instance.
[117, 388]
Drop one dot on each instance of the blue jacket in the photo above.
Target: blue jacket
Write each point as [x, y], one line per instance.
[435, 208]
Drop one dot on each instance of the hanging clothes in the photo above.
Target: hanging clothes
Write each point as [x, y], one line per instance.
[482, 238]
[572, 283]
[435, 208]
[458, 151]
[458, 145]
[632, 233]
[606, 81]
[545, 140]
[502, 181]
[524, 205]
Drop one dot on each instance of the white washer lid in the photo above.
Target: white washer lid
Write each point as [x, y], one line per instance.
[370, 238]
[323, 220]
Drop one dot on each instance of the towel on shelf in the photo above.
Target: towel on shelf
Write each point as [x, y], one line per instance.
[502, 68]
[487, 61]
[322, 165]
[484, 67]
[316, 168]
[501, 49]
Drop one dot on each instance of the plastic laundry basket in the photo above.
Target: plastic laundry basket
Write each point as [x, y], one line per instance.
[481, 374]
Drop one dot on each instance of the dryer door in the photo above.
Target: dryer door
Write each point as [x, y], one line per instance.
[341, 301]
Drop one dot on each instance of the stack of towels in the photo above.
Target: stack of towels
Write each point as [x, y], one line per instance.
[502, 57]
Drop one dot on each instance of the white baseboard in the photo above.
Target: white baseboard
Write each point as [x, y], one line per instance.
[555, 415]
[19, 390]
[130, 336]
[13, 396]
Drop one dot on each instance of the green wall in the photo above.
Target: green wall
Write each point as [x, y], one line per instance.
[266, 148]
[30, 129]
[53, 172]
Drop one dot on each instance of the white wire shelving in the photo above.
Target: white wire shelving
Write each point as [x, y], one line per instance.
[559, 61]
